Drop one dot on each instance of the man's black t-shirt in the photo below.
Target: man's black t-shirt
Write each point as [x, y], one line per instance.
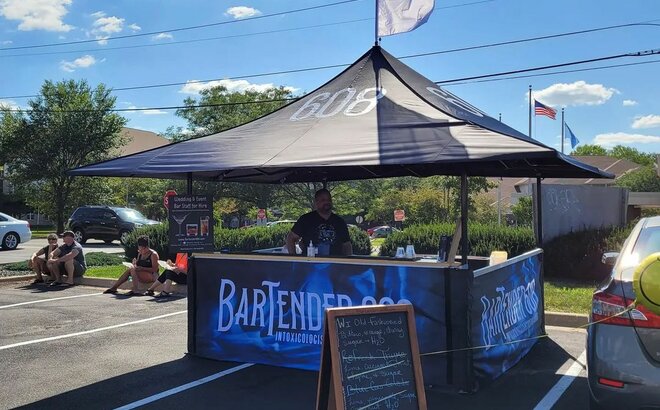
[312, 226]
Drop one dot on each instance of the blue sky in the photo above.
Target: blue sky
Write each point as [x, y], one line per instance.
[610, 106]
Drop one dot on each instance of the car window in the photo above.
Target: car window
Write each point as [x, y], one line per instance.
[108, 215]
[647, 243]
[3, 219]
[128, 214]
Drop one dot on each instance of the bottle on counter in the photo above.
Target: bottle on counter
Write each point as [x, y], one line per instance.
[311, 251]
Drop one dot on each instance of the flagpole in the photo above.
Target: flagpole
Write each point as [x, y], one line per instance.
[530, 111]
[562, 130]
[376, 27]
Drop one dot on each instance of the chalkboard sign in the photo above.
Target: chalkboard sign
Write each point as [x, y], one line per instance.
[370, 360]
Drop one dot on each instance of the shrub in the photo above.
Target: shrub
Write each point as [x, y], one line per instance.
[102, 259]
[482, 239]
[578, 254]
[247, 240]
[158, 240]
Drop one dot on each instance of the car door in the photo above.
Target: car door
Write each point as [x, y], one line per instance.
[110, 224]
[87, 220]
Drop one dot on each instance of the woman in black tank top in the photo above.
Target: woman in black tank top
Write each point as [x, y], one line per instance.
[144, 269]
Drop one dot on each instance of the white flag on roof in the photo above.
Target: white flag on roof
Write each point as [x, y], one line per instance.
[400, 16]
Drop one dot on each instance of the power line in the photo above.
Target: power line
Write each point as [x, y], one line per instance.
[194, 27]
[577, 70]
[187, 28]
[635, 54]
[497, 44]
[171, 43]
[526, 70]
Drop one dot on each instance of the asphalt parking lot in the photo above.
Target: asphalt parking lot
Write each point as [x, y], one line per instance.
[77, 348]
[25, 250]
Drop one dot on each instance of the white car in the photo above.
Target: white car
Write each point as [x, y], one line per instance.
[13, 231]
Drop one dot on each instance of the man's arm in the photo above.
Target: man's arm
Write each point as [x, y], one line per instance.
[54, 254]
[291, 239]
[68, 256]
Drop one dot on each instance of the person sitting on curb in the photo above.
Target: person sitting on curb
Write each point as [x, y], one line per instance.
[144, 269]
[38, 264]
[177, 273]
[68, 260]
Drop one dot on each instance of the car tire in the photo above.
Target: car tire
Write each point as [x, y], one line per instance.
[10, 241]
[79, 235]
[123, 236]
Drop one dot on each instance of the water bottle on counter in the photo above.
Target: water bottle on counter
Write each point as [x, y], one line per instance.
[443, 248]
[311, 251]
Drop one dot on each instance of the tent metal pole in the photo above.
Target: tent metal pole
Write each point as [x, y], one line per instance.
[189, 189]
[464, 219]
[539, 214]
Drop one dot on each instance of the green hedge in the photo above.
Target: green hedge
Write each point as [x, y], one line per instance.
[236, 240]
[482, 239]
[578, 254]
[91, 258]
[158, 240]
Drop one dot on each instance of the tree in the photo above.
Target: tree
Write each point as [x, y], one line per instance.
[523, 211]
[632, 154]
[589, 150]
[223, 110]
[68, 125]
[644, 179]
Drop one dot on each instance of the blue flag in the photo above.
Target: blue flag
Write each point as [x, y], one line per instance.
[574, 140]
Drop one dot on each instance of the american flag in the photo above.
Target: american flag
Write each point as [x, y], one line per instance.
[542, 109]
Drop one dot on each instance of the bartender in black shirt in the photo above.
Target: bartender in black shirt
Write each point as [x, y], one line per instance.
[327, 231]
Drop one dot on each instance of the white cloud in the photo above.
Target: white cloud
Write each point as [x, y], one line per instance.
[616, 138]
[241, 12]
[37, 14]
[648, 121]
[629, 103]
[162, 36]
[82, 62]
[194, 86]
[98, 14]
[6, 42]
[577, 93]
[146, 112]
[108, 25]
[135, 27]
[9, 104]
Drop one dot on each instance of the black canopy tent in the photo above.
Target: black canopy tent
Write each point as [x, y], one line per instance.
[378, 118]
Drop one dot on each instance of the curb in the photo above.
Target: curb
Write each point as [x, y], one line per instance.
[561, 319]
[97, 282]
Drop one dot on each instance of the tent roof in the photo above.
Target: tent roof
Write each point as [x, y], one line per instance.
[378, 118]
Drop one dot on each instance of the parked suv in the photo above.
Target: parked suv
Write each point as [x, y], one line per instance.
[106, 223]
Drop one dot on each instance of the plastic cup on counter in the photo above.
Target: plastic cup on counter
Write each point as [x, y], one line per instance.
[400, 252]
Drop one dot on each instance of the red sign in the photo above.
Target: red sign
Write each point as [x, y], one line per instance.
[399, 215]
[166, 198]
[261, 214]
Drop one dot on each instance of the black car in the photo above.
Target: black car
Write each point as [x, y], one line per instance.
[106, 223]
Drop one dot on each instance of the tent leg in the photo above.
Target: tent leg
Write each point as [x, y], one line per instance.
[464, 219]
[190, 184]
[539, 214]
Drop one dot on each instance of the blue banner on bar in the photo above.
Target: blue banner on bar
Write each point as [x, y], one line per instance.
[507, 315]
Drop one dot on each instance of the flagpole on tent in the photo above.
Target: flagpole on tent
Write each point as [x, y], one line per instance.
[562, 130]
[376, 26]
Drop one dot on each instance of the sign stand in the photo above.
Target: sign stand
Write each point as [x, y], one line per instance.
[370, 357]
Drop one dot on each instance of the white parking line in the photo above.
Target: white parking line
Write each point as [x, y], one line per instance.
[49, 300]
[560, 387]
[184, 387]
[86, 332]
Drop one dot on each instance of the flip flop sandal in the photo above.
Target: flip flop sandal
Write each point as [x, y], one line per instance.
[164, 295]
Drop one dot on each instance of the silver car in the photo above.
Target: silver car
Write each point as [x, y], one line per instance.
[13, 231]
[623, 352]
